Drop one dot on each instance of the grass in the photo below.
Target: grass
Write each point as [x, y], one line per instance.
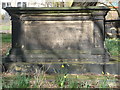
[65, 80]
[6, 38]
[5, 27]
[20, 81]
[113, 46]
[59, 81]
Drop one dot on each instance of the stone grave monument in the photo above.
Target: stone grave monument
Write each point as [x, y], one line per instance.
[51, 37]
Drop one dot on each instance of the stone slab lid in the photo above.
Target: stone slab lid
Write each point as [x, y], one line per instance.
[26, 10]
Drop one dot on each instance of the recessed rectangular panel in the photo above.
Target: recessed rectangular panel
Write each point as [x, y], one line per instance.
[58, 35]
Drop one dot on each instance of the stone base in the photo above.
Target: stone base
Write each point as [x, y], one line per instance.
[74, 60]
[97, 55]
[112, 68]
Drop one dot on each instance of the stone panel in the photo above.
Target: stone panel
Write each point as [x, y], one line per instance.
[58, 34]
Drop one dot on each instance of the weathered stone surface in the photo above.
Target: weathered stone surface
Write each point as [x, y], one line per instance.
[98, 51]
[58, 35]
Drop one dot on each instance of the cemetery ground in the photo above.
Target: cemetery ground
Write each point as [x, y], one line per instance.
[60, 80]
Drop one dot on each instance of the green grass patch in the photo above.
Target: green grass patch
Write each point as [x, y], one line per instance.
[113, 46]
[6, 38]
[5, 27]
[19, 81]
[58, 81]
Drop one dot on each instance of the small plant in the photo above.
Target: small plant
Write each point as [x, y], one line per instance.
[22, 81]
[73, 83]
[61, 80]
[38, 80]
[104, 83]
[62, 77]
[64, 81]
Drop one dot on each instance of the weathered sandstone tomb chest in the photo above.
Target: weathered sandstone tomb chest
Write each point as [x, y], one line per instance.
[58, 35]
